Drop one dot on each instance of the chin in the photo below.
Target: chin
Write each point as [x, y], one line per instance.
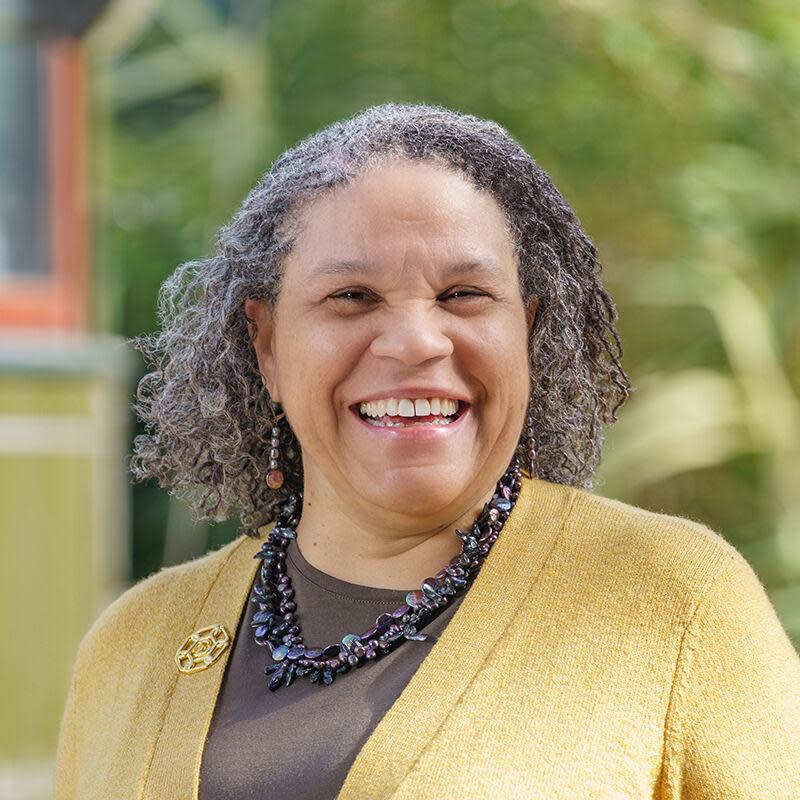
[414, 490]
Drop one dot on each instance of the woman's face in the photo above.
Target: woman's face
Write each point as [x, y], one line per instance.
[401, 285]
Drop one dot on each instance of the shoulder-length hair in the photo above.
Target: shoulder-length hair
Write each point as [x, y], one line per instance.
[206, 410]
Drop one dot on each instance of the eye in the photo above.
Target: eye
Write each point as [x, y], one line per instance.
[353, 296]
[463, 293]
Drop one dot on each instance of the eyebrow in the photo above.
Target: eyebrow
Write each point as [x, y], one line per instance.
[341, 267]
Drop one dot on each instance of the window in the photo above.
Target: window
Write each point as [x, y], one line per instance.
[43, 209]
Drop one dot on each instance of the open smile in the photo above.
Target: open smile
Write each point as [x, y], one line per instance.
[424, 427]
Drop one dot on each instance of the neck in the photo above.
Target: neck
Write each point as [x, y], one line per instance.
[382, 551]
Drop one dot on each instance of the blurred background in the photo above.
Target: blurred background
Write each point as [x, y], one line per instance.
[131, 130]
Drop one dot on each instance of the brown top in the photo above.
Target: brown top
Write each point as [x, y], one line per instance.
[301, 740]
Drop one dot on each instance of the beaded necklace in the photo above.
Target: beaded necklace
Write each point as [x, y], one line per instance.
[276, 624]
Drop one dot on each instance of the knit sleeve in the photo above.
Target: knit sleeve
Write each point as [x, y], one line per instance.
[65, 777]
[733, 725]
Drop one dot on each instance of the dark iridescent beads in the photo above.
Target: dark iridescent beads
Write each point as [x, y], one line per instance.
[276, 625]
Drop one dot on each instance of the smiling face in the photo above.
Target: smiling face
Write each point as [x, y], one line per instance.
[402, 284]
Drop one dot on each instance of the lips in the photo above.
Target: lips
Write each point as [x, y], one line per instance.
[419, 431]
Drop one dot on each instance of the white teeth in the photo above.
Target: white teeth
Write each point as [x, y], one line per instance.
[405, 407]
[378, 423]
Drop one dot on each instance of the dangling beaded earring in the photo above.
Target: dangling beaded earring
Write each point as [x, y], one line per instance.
[531, 446]
[274, 475]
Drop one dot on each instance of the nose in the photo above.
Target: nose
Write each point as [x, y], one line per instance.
[412, 337]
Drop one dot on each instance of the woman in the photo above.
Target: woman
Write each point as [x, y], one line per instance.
[395, 369]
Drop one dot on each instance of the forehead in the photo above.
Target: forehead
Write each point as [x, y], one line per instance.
[401, 208]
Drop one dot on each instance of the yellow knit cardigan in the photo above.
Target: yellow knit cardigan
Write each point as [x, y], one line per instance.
[604, 651]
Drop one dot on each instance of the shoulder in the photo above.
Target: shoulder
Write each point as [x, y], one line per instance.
[153, 607]
[657, 578]
[649, 529]
[661, 555]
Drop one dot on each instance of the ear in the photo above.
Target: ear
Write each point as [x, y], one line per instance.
[261, 329]
[530, 312]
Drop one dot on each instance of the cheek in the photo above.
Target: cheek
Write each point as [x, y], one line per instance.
[313, 361]
[497, 354]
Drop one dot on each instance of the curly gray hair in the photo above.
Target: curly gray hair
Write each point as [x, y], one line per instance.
[206, 410]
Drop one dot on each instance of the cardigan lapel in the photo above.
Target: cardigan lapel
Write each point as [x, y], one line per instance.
[175, 764]
[505, 578]
[414, 719]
